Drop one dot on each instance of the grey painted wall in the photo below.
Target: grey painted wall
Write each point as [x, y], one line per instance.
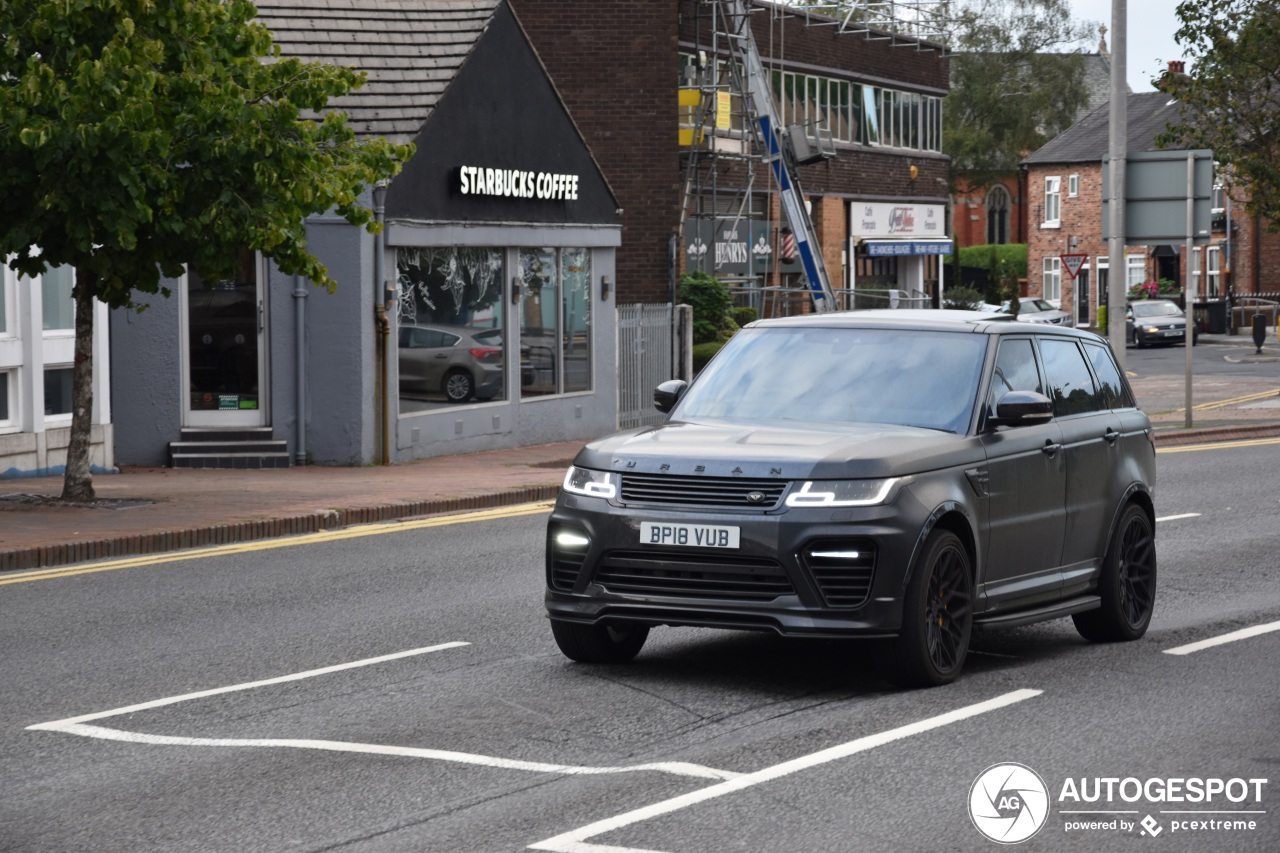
[146, 378]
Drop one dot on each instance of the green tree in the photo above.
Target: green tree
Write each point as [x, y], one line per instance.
[138, 137]
[1230, 100]
[1011, 90]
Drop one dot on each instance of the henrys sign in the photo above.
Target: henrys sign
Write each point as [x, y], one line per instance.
[886, 219]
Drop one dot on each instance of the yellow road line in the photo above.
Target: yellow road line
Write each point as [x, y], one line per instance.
[1219, 445]
[288, 542]
[1245, 399]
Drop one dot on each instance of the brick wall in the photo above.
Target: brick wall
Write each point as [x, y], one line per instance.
[616, 69]
[614, 64]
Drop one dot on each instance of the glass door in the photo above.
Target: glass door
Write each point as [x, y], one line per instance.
[225, 347]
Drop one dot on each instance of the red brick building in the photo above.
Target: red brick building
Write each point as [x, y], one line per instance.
[619, 69]
[1065, 193]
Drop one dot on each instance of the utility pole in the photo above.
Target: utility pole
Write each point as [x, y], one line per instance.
[1117, 271]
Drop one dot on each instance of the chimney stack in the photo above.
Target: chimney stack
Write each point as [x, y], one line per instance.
[1177, 66]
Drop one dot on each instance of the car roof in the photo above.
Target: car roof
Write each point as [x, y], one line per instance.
[922, 319]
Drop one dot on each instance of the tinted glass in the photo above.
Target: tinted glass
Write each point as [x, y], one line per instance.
[909, 378]
[1114, 395]
[1070, 384]
[1015, 369]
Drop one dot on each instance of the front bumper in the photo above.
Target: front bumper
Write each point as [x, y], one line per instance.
[791, 574]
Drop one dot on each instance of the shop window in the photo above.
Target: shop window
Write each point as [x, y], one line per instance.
[55, 295]
[555, 321]
[6, 408]
[57, 391]
[451, 330]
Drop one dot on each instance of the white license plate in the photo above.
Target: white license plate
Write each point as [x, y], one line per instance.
[689, 535]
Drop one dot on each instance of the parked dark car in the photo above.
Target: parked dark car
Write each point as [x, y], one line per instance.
[1039, 311]
[901, 475]
[458, 362]
[1156, 321]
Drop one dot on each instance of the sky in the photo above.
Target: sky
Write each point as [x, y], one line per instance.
[1151, 25]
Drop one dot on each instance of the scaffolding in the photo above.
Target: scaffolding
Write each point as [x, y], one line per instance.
[736, 152]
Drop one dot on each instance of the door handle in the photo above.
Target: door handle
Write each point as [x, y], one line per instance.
[1111, 435]
[1051, 448]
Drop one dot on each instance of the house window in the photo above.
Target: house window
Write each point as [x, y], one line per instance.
[57, 391]
[1135, 270]
[555, 321]
[55, 296]
[1052, 280]
[1213, 275]
[998, 215]
[1073, 186]
[1052, 202]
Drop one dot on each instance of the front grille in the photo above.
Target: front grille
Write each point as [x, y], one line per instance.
[842, 570]
[702, 491]
[693, 576]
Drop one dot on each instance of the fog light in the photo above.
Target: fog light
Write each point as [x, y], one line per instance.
[570, 539]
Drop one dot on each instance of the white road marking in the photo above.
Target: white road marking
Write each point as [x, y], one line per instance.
[75, 726]
[1179, 517]
[575, 840]
[217, 691]
[678, 768]
[1242, 634]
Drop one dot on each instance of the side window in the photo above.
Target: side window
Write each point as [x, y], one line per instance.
[1015, 370]
[1114, 394]
[1070, 384]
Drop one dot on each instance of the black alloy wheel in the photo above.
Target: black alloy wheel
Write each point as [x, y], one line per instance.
[937, 616]
[599, 643]
[1127, 585]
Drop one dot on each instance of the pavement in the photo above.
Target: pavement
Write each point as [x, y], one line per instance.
[155, 510]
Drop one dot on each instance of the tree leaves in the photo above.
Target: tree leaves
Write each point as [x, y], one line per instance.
[138, 136]
[1011, 90]
[1230, 100]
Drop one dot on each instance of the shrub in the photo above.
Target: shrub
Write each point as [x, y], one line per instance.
[961, 297]
[710, 299]
[743, 316]
[702, 353]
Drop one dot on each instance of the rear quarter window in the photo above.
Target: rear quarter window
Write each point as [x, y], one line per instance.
[1115, 394]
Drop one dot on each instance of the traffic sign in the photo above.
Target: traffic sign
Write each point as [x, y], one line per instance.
[1073, 263]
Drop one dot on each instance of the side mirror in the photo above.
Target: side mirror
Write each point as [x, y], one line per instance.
[1022, 408]
[666, 395]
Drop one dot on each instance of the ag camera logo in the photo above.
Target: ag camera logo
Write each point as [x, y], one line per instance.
[1008, 803]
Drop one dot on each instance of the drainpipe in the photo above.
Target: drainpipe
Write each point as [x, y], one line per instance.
[382, 322]
[300, 367]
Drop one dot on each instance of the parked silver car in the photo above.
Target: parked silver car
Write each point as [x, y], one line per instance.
[455, 361]
[1156, 321]
[1038, 311]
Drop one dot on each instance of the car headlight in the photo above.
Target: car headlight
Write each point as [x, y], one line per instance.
[593, 484]
[827, 493]
[1152, 329]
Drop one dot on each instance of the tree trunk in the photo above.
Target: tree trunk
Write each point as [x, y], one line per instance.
[77, 483]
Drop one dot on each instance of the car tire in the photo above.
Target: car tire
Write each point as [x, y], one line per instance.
[937, 618]
[599, 643]
[458, 386]
[1127, 585]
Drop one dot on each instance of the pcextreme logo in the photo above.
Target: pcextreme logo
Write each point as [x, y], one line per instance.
[1008, 803]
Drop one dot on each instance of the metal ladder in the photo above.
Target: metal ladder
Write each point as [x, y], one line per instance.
[761, 113]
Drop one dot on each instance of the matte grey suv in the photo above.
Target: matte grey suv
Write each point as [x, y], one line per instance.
[901, 475]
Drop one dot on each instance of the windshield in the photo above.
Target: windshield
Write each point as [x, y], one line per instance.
[1156, 309]
[882, 376]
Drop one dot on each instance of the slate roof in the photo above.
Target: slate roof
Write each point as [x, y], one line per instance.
[410, 49]
[1088, 140]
